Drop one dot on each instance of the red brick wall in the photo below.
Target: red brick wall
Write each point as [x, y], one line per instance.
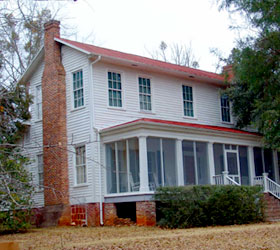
[54, 121]
[110, 214]
[146, 213]
[85, 214]
[272, 208]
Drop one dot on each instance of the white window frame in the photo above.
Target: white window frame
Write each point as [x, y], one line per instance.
[81, 88]
[38, 103]
[151, 94]
[193, 101]
[84, 164]
[122, 107]
[221, 113]
[40, 173]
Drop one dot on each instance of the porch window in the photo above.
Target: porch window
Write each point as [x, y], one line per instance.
[218, 158]
[195, 163]
[78, 89]
[115, 89]
[263, 159]
[161, 162]
[122, 165]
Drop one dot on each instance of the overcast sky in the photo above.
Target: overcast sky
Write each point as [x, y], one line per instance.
[138, 26]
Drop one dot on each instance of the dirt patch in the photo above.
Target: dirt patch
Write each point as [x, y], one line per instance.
[256, 236]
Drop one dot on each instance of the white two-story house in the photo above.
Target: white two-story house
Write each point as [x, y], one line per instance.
[108, 128]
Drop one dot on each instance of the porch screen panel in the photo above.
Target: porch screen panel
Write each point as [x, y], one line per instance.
[218, 158]
[169, 162]
[268, 163]
[111, 168]
[243, 161]
[188, 163]
[134, 178]
[258, 161]
[202, 163]
[154, 162]
[123, 184]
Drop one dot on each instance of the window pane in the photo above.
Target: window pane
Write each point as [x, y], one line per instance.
[111, 168]
[123, 185]
[188, 163]
[218, 158]
[134, 164]
[169, 162]
[225, 108]
[202, 163]
[243, 161]
[154, 162]
[258, 161]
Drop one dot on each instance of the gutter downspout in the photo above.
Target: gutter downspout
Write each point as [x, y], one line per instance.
[99, 145]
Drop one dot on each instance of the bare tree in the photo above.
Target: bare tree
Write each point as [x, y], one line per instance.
[176, 53]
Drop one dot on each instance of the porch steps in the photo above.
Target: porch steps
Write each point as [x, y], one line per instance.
[272, 208]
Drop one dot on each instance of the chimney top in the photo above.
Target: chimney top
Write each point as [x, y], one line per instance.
[52, 24]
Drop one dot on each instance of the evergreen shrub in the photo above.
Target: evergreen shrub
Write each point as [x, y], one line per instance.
[197, 206]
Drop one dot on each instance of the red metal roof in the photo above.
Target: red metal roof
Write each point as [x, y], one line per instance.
[142, 60]
[187, 124]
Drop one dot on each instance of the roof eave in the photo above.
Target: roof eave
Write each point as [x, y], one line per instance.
[142, 124]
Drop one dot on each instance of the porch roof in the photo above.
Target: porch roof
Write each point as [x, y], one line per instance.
[180, 124]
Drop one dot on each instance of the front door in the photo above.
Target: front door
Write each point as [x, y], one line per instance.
[232, 163]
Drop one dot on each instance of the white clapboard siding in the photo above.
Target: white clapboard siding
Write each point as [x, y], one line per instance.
[33, 147]
[79, 130]
[167, 100]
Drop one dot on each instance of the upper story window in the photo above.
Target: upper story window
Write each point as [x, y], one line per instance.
[78, 89]
[115, 89]
[39, 102]
[225, 108]
[188, 101]
[145, 95]
[81, 176]
[40, 165]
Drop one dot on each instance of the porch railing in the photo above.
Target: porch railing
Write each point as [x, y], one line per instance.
[269, 186]
[224, 179]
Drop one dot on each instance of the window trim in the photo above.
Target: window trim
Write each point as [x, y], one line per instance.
[152, 94]
[76, 184]
[194, 117]
[122, 90]
[73, 108]
[36, 103]
[221, 114]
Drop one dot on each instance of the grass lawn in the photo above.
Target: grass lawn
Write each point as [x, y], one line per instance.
[255, 236]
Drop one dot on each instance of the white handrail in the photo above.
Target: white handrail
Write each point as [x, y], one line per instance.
[232, 182]
[271, 187]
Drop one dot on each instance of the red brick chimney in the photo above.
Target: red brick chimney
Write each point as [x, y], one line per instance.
[228, 72]
[56, 180]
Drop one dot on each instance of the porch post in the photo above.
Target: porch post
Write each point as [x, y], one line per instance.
[143, 163]
[251, 164]
[179, 162]
[265, 186]
[276, 165]
[211, 162]
[225, 180]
